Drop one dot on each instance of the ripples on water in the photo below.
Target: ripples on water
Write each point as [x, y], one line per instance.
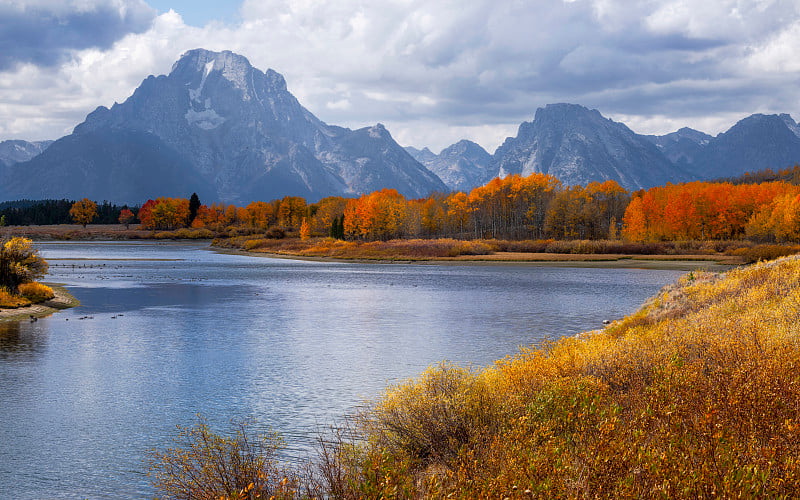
[177, 330]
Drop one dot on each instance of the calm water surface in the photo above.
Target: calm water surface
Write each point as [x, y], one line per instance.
[175, 330]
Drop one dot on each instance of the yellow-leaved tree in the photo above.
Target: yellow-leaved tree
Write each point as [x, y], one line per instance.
[20, 263]
[83, 211]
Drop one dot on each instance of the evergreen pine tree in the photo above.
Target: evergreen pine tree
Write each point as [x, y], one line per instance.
[194, 206]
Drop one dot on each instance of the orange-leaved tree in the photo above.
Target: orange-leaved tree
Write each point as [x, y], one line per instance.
[83, 211]
[126, 217]
[305, 230]
[165, 213]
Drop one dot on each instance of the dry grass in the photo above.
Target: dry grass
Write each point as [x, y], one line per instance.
[374, 250]
[696, 395]
[481, 250]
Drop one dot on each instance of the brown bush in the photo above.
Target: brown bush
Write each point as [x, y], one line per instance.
[204, 465]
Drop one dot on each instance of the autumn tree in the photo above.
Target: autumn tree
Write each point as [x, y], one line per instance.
[20, 263]
[291, 212]
[165, 213]
[458, 213]
[83, 211]
[126, 217]
[326, 214]
[305, 230]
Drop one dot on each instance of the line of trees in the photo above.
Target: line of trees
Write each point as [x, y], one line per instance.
[515, 208]
[715, 211]
[46, 212]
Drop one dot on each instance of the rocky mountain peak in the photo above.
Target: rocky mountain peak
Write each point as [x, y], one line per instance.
[793, 126]
[461, 166]
[234, 67]
[234, 131]
[17, 151]
[579, 145]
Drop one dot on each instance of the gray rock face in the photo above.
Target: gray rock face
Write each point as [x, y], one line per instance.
[16, 151]
[754, 143]
[219, 125]
[578, 146]
[461, 166]
[683, 146]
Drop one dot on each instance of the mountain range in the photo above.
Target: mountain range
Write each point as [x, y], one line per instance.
[223, 129]
[217, 126]
[579, 145]
[17, 151]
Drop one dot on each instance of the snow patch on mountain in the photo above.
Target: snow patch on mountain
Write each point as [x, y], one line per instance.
[207, 119]
[194, 94]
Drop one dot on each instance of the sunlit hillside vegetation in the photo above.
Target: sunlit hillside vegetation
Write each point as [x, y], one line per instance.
[696, 395]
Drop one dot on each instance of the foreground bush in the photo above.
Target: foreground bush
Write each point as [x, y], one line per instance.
[36, 292]
[204, 465]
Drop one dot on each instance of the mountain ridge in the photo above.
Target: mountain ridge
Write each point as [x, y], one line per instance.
[234, 131]
[217, 125]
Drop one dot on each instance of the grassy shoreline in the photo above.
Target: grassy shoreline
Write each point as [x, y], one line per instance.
[62, 300]
[489, 252]
[667, 262]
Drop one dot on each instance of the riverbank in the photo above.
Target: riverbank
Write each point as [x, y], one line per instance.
[101, 232]
[62, 300]
[695, 395]
[491, 252]
[604, 261]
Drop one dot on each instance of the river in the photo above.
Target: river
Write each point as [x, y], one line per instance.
[167, 331]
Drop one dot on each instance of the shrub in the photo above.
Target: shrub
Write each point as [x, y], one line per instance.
[204, 465]
[10, 300]
[184, 234]
[20, 263]
[435, 416]
[36, 292]
[765, 252]
[275, 233]
[253, 244]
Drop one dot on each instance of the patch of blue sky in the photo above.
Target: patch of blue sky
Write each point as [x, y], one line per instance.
[200, 12]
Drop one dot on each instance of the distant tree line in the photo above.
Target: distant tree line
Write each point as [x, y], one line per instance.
[44, 212]
[790, 175]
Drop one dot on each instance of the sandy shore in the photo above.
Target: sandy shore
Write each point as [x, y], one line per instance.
[612, 261]
[62, 300]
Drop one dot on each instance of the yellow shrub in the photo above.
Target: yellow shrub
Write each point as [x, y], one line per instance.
[36, 292]
[9, 300]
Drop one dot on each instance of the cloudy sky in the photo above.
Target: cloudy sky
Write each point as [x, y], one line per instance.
[433, 71]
